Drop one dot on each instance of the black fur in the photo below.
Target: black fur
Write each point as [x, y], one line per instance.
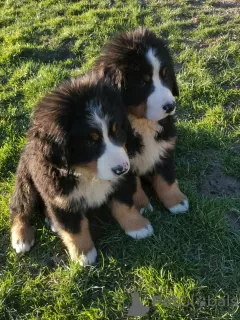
[58, 140]
[123, 64]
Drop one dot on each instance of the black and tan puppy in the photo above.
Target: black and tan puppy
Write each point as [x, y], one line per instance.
[140, 65]
[75, 160]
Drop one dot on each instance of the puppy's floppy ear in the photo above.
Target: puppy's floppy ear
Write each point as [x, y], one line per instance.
[175, 90]
[109, 71]
[50, 126]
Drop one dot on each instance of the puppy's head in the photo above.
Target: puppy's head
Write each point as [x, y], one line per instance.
[140, 65]
[84, 125]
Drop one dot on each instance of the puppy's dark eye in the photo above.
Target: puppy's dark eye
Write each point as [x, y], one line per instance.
[163, 72]
[146, 78]
[94, 136]
[90, 143]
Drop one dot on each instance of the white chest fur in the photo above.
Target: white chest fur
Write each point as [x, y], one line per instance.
[90, 191]
[152, 149]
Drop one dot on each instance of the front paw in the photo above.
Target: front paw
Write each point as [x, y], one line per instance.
[182, 207]
[171, 196]
[22, 237]
[142, 233]
[149, 208]
[89, 258]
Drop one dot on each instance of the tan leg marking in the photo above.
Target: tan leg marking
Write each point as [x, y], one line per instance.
[79, 245]
[129, 218]
[22, 234]
[169, 194]
[140, 199]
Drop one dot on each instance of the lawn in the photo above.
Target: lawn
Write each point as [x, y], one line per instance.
[193, 260]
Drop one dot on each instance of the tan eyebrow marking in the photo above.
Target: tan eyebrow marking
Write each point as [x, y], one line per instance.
[114, 127]
[164, 72]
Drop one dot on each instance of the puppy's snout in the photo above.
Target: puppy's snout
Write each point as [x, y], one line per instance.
[169, 107]
[121, 169]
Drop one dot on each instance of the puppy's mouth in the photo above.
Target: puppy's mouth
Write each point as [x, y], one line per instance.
[140, 112]
[157, 114]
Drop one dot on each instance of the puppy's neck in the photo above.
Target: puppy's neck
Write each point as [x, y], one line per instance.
[143, 125]
[86, 172]
[138, 111]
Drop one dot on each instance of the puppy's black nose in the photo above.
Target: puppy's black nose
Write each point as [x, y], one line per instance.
[118, 170]
[169, 107]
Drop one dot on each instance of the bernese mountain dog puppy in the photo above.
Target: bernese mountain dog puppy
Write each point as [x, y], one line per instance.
[140, 65]
[75, 160]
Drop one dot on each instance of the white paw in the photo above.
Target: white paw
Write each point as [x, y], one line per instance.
[49, 224]
[180, 208]
[22, 246]
[89, 258]
[147, 231]
[149, 208]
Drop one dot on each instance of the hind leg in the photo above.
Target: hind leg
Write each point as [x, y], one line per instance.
[73, 228]
[23, 202]
[80, 245]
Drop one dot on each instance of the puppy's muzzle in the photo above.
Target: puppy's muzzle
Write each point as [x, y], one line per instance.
[121, 169]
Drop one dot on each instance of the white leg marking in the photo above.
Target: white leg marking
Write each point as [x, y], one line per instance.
[89, 258]
[149, 208]
[180, 208]
[49, 224]
[145, 232]
[22, 246]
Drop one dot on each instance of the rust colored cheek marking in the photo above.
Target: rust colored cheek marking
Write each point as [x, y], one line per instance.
[169, 194]
[90, 167]
[140, 199]
[80, 243]
[139, 111]
[129, 218]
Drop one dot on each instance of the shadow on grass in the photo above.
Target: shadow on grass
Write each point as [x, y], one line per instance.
[46, 55]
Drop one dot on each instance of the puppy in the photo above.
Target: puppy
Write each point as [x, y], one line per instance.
[140, 65]
[75, 160]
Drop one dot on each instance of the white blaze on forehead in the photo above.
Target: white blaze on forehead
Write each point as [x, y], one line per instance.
[113, 155]
[161, 95]
[154, 62]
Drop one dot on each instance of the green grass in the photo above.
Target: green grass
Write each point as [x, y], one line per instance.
[190, 257]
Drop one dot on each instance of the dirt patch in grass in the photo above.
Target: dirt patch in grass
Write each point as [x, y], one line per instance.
[236, 147]
[215, 183]
[226, 4]
[233, 217]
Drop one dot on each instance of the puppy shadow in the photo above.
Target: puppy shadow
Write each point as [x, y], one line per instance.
[48, 55]
[99, 221]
